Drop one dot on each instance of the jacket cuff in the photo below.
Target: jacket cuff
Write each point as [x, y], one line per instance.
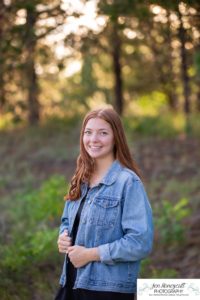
[104, 253]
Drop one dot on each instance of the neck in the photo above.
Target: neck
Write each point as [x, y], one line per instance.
[100, 169]
[102, 165]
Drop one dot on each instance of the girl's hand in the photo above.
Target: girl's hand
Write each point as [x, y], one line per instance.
[81, 256]
[64, 241]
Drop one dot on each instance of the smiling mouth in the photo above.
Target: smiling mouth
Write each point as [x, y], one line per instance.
[95, 147]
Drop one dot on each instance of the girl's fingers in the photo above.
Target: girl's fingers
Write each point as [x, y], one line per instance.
[62, 250]
[64, 244]
[66, 232]
[62, 239]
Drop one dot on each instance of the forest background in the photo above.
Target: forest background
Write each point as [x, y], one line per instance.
[58, 59]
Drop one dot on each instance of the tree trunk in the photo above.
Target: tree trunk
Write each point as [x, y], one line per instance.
[31, 76]
[172, 89]
[198, 97]
[118, 84]
[2, 92]
[185, 77]
[198, 76]
[163, 64]
[2, 59]
[33, 104]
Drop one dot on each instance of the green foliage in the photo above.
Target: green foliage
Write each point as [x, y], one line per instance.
[192, 126]
[145, 268]
[66, 123]
[169, 222]
[164, 273]
[165, 125]
[6, 121]
[42, 205]
[149, 271]
[197, 62]
[150, 125]
[152, 103]
[155, 125]
[36, 217]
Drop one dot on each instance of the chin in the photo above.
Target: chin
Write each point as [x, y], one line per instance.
[95, 156]
[92, 155]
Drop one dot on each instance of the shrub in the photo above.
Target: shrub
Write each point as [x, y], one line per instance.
[168, 221]
[33, 234]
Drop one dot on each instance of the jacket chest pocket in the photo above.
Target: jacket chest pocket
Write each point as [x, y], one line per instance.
[104, 211]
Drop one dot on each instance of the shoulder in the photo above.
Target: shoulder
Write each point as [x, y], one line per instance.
[127, 176]
[131, 184]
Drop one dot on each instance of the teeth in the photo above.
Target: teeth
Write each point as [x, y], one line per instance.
[94, 147]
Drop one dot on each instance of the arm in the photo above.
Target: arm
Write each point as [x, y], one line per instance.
[64, 241]
[80, 256]
[137, 226]
[64, 219]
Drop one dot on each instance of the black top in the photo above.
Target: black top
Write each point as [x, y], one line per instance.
[71, 270]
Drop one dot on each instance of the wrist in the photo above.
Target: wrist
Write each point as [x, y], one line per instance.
[93, 254]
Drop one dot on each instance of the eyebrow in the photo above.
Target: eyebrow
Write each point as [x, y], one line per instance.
[98, 129]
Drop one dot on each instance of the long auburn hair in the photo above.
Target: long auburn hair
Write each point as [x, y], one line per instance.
[85, 164]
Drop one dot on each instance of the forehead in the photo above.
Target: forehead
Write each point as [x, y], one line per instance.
[97, 123]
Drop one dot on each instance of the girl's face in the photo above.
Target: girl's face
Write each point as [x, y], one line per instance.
[98, 139]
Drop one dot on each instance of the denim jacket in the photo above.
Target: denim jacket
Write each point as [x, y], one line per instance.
[116, 218]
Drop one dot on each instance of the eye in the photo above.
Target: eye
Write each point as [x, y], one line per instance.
[103, 133]
[87, 132]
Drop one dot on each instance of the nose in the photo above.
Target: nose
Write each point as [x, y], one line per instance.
[94, 137]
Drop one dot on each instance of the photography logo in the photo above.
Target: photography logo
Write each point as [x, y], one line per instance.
[168, 289]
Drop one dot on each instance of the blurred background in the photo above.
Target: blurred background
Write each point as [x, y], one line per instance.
[59, 59]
